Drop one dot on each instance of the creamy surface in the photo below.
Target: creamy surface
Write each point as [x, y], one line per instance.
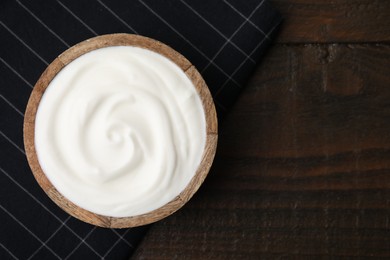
[120, 131]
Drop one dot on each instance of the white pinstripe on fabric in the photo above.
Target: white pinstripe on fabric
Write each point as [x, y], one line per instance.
[8, 251]
[48, 239]
[16, 73]
[43, 24]
[246, 18]
[81, 242]
[185, 39]
[113, 246]
[121, 236]
[12, 142]
[77, 18]
[231, 37]
[11, 105]
[24, 43]
[48, 210]
[216, 29]
[220, 105]
[243, 62]
[117, 16]
[28, 230]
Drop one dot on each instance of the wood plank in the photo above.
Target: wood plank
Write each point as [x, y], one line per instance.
[334, 21]
[303, 166]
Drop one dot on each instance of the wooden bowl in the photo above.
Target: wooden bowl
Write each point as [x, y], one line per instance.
[121, 40]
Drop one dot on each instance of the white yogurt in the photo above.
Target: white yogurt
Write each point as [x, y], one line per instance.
[120, 131]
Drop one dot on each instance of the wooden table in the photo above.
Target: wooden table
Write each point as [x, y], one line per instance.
[303, 164]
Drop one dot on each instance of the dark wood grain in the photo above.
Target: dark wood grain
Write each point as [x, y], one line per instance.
[303, 164]
[334, 21]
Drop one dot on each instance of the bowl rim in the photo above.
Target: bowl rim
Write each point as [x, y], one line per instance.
[108, 40]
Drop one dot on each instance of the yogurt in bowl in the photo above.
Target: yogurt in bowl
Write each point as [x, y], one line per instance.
[120, 130]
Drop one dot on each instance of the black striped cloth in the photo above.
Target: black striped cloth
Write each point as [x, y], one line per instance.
[224, 39]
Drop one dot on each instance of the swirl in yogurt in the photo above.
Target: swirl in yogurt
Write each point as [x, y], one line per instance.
[120, 131]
